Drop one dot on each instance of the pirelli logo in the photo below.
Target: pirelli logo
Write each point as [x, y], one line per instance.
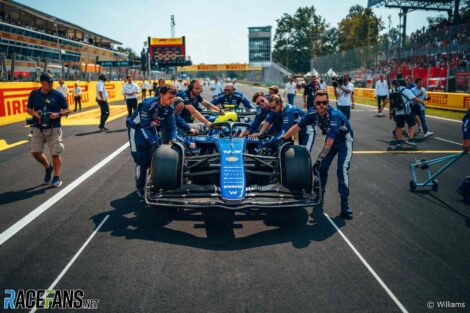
[438, 99]
[466, 102]
[14, 101]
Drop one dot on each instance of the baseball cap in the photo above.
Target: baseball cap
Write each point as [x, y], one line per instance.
[46, 77]
[275, 88]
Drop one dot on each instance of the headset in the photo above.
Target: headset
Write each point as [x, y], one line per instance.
[191, 84]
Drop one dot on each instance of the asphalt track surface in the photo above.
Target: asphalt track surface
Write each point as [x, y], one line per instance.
[399, 252]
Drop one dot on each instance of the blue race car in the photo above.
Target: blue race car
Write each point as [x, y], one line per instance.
[233, 173]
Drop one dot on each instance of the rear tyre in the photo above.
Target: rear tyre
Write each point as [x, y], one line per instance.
[412, 186]
[296, 168]
[435, 185]
[165, 170]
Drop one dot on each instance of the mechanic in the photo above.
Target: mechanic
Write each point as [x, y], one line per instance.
[50, 104]
[142, 131]
[182, 126]
[231, 97]
[262, 111]
[339, 140]
[192, 98]
[344, 94]
[287, 115]
[464, 189]
[405, 114]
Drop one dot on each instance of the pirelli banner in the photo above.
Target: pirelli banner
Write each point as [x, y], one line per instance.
[439, 100]
[217, 68]
[14, 97]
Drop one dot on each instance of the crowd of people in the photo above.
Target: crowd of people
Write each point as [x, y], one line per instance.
[168, 114]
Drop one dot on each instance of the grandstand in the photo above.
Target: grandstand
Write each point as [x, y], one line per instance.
[32, 41]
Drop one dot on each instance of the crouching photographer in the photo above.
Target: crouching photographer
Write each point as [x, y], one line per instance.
[47, 106]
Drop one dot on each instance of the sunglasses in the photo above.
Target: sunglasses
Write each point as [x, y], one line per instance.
[321, 102]
[227, 89]
[260, 102]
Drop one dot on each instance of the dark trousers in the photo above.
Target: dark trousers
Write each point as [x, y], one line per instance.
[290, 98]
[131, 106]
[144, 93]
[77, 100]
[346, 109]
[142, 155]
[344, 152]
[380, 100]
[307, 138]
[104, 112]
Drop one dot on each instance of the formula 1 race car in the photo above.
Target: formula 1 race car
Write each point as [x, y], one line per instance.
[231, 114]
[231, 173]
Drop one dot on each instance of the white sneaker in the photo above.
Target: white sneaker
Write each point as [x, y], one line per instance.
[411, 143]
[428, 134]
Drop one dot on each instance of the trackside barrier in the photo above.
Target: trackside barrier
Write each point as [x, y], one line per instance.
[439, 100]
[14, 97]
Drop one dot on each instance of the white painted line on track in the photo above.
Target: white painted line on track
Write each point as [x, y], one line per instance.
[15, 228]
[66, 268]
[449, 141]
[371, 270]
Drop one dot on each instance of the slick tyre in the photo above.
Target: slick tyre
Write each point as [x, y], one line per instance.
[296, 168]
[165, 170]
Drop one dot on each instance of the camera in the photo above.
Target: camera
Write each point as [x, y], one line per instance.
[43, 120]
[338, 81]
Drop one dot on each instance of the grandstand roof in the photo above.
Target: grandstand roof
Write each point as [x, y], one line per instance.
[7, 7]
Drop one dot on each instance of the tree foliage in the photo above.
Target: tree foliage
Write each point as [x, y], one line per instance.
[299, 37]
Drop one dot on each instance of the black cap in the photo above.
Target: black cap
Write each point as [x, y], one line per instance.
[102, 77]
[46, 77]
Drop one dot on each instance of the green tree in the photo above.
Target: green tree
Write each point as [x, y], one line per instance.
[360, 30]
[299, 38]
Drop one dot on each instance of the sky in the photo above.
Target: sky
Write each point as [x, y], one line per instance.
[216, 30]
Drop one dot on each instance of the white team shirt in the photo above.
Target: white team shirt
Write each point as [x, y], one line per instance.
[130, 88]
[100, 87]
[290, 88]
[381, 88]
[344, 99]
[216, 88]
[63, 90]
[77, 91]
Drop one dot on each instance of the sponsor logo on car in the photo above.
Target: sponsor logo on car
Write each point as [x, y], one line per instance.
[231, 159]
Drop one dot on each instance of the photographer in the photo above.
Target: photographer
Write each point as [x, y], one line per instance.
[309, 93]
[46, 106]
[343, 92]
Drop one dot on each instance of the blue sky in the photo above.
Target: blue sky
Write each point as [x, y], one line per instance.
[216, 31]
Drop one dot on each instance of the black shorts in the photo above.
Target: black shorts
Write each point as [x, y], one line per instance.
[409, 119]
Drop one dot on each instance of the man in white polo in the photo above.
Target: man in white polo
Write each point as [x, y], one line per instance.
[63, 90]
[216, 87]
[130, 90]
[381, 93]
[290, 91]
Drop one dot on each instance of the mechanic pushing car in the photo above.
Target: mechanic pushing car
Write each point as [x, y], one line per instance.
[192, 98]
[339, 140]
[231, 97]
[142, 131]
[181, 126]
[287, 115]
[262, 111]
